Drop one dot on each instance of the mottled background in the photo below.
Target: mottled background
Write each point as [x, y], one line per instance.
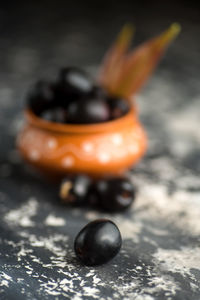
[160, 257]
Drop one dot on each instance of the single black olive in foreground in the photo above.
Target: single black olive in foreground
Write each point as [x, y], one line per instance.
[118, 107]
[98, 242]
[41, 97]
[73, 84]
[74, 190]
[87, 111]
[113, 194]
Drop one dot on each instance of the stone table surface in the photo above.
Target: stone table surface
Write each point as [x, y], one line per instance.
[160, 256]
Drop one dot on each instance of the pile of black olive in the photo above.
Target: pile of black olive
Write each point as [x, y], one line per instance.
[74, 99]
[100, 240]
[112, 194]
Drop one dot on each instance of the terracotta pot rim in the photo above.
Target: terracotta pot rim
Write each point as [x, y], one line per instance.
[38, 122]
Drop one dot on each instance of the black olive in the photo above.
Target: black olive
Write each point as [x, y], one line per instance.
[41, 97]
[75, 189]
[118, 107]
[98, 242]
[98, 92]
[72, 85]
[87, 111]
[113, 194]
[57, 114]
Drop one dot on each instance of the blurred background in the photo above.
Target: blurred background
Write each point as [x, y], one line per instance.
[39, 37]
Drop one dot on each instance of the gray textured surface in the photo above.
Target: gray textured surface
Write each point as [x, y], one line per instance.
[160, 257]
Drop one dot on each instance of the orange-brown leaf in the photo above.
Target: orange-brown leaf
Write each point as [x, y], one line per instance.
[112, 61]
[135, 68]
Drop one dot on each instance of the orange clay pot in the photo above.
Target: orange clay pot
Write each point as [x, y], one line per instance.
[97, 150]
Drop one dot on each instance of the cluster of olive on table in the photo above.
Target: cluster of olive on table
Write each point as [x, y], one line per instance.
[100, 240]
[74, 99]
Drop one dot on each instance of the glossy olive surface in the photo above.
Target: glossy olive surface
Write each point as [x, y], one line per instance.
[72, 84]
[113, 194]
[98, 242]
[88, 111]
[73, 190]
[41, 97]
